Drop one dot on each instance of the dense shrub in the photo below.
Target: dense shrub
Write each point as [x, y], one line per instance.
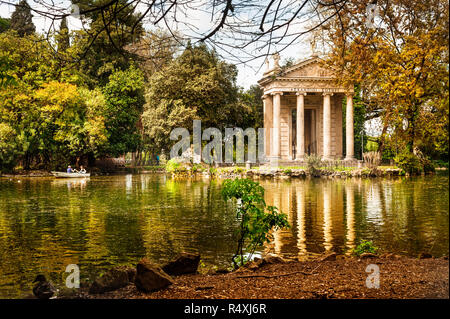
[408, 162]
[428, 165]
[8, 147]
[174, 166]
[441, 163]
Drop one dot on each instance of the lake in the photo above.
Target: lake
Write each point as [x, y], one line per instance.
[47, 224]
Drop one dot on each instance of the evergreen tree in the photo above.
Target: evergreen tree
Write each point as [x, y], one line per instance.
[21, 19]
[106, 51]
[4, 24]
[63, 36]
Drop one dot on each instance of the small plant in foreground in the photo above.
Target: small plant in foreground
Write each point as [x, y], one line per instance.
[256, 218]
[365, 246]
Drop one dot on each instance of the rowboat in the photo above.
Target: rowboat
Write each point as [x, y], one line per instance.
[70, 175]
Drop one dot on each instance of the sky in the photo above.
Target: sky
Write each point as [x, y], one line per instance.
[248, 73]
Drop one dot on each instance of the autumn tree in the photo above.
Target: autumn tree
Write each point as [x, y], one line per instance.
[47, 117]
[22, 19]
[400, 61]
[153, 51]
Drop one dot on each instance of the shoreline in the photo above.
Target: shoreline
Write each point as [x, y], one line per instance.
[340, 277]
[240, 172]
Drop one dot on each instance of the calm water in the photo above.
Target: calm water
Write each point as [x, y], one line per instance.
[46, 224]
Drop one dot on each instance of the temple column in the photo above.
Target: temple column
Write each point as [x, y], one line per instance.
[300, 154]
[276, 150]
[327, 125]
[349, 134]
[268, 116]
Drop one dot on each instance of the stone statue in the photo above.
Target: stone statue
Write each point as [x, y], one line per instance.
[267, 65]
[276, 60]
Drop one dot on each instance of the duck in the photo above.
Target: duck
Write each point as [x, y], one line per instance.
[43, 289]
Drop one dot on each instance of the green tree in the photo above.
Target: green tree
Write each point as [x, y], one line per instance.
[29, 65]
[4, 24]
[22, 19]
[196, 85]
[69, 125]
[105, 52]
[45, 120]
[251, 107]
[63, 36]
[8, 147]
[124, 98]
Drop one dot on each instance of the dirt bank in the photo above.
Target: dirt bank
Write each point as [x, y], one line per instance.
[400, 277]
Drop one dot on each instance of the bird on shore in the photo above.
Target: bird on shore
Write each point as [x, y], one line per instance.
[43, 289]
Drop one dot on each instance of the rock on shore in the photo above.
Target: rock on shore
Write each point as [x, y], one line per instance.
[114, 279]
[184, 263]
[150, 277]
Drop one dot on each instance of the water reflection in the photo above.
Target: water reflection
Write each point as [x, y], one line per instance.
[46, 223]
[350, 217]
[327, 220]
[301, 218]
[71, 182]
[401, 215]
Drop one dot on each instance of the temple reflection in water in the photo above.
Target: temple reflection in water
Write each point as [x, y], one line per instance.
[101, 222]
[322, 215]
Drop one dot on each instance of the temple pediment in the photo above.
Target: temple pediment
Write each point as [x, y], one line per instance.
[308, 68]
[310, 75]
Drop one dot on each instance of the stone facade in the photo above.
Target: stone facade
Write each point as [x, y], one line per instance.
[303, 112]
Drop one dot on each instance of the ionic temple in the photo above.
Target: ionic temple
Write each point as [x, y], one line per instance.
[303, 112]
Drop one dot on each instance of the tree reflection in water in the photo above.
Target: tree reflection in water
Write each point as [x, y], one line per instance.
[96, 223]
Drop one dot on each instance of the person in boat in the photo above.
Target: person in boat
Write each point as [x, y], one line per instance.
[69, 169]
[81, 171]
